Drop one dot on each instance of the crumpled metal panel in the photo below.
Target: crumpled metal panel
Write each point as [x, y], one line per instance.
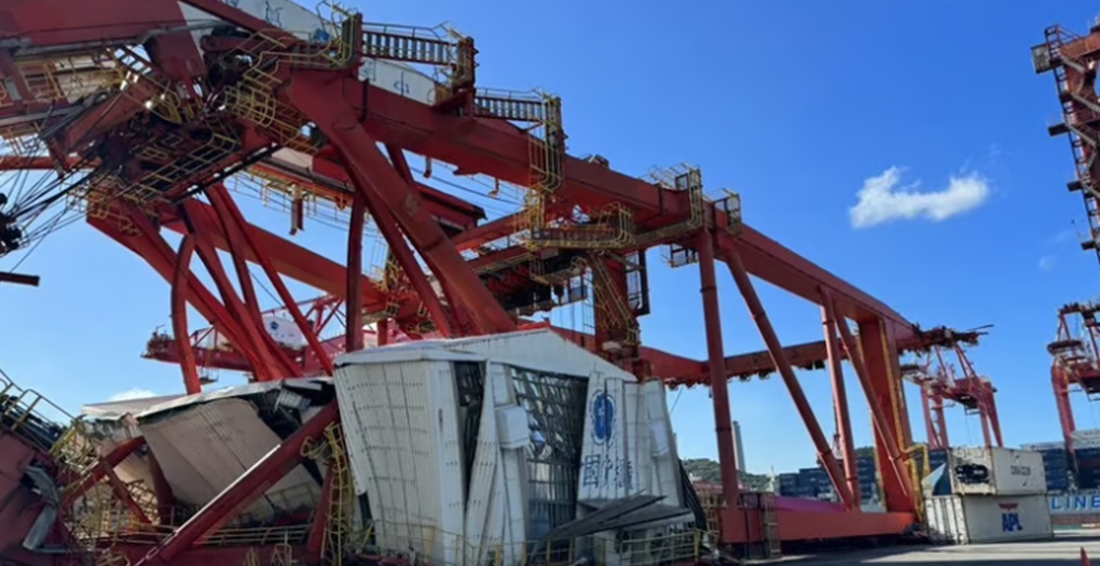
[204, 449]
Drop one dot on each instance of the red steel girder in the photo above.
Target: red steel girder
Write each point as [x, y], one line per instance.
[313, 95]
[501, 150]
[243, 491]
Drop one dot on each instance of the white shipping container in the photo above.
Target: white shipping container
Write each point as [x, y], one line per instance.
[1084, 439]
[978, 519]
[996, 471]
[1087, 434]
[1044, 446]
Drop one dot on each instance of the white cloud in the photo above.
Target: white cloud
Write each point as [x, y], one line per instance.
[884, 199]
[131, 394]
[1047, 262]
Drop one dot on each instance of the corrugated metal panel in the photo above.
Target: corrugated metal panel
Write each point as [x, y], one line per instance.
[402, 430]
[946, 520]
[1005, 518]
[206, 448]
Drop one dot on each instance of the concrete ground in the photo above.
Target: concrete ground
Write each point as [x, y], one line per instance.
[1065, 550]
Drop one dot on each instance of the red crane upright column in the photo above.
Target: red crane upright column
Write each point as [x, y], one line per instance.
[732, 518]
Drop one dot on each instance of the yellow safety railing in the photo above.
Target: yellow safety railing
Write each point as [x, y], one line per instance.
[253, 97]
[609, 229]
[443, 47]
[687, 179]
[429, 545]
[616, 311]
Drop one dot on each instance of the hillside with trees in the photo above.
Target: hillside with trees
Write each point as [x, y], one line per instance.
[707, 470]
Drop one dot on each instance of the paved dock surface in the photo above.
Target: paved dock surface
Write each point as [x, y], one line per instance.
[1062, 551]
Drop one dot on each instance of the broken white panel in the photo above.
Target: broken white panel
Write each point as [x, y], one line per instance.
[663, 454]
[401, 426]
[202, 450]
[509, 517]
[480, 536]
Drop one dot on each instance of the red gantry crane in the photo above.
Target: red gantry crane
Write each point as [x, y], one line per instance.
[145, 116]
[1073, 60]
[939, 383]
[1075, 354]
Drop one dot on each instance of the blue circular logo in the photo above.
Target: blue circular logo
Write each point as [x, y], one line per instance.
[603, 417]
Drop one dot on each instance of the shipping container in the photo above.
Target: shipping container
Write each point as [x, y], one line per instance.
[996, 471]
[1044, 446]
[1086, 439]
[1076, 502]
[977, 519]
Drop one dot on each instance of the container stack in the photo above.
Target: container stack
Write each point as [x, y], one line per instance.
[1086, 456]
[997, 494]
[1055, 464]
[815, 482]
[868, 477]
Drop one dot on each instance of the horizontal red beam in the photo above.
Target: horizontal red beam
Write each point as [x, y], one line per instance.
[500, 149]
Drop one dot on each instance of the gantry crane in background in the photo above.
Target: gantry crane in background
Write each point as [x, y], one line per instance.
[148, 117]
[940, 383]
[1073, 59]
[1075, 361]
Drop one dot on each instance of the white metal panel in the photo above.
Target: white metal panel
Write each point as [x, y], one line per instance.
[204, 449]
[946, 519]
[374, 406]
[1007, 518]
[510, 516]
[664, 453]
[1018, 472]
[483, 478]
[607, 471]
[638, 441]
[541, 350]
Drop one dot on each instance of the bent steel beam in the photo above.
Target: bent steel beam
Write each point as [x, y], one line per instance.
[243, 491]
[323, 102]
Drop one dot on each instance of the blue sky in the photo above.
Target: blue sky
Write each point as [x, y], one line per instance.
[798, 105]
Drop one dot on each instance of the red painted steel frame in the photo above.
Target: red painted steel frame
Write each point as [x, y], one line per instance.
[356, 117]
[1076, 360]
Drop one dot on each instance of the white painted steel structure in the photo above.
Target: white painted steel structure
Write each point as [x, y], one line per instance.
[402, 412]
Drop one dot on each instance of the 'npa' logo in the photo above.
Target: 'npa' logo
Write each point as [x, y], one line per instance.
[603, 417]
[1010, 518]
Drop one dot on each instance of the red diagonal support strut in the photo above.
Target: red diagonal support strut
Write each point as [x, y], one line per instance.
[372, 171]
[767, 332]
[244, 491]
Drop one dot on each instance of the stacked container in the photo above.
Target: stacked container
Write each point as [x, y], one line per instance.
[1086, 455]
[997, 494]
[788, 485]
[868, 477]
[1055, 464]
[815, 481]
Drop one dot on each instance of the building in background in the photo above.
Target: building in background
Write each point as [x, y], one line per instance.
[738, 448]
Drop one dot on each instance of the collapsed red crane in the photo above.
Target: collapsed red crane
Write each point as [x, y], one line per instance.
[939, 382]
[161, 119]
